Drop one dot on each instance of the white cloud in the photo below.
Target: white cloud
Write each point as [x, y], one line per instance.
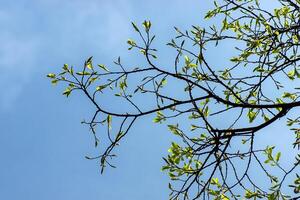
[94, 22]
[17, 57]
[17, 54]
[57, 27]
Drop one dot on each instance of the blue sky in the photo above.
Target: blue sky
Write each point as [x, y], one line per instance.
[42, 143]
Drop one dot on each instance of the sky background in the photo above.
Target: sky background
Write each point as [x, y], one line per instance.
[42, 143]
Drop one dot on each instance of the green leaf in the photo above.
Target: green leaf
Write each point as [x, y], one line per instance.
[194, 127]
[206, 111]
[89, 66]
[159, 117]
[266, 118]
[291, 74]
[123, 85]
[154, 56]
[251, 115]
[236, 59]
[249, 195]
[135, 27]
[51, 75]
[163, 82]
[131, 42]
[103, 67]
[277, 157]
[89, 63]
[100, 87]
[66, 67]
[174, 129]
[120, 135]
[109, 119]
[295, 38]
[209, 14]
[147, 25]
[54, 81]
[67, 92]
[193, 65]
[214, 181]
[83, 73]
[187, 60]
[289, 95]
[214, 192]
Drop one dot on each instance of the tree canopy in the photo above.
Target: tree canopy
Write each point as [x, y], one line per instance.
[254, 88]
